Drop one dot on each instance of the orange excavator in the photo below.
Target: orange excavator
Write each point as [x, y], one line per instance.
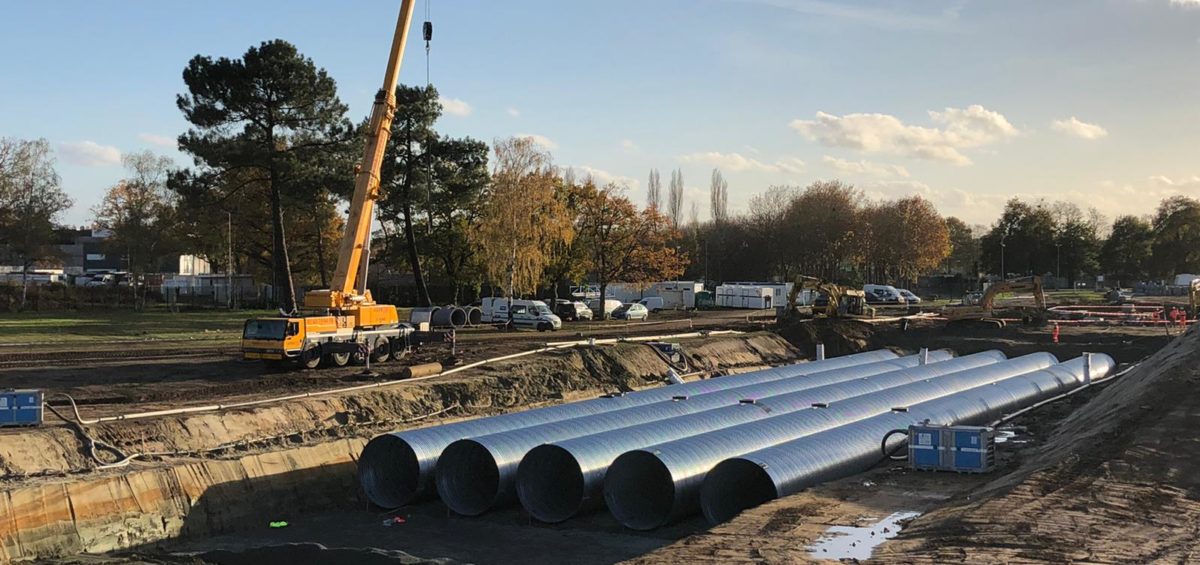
[981, 309]
[344, 321]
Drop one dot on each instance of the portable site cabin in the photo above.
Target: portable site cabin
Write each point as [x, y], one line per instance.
[675, 294]
[753, 295]
[745, 296]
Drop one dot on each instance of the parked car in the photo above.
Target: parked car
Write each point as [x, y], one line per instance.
[882, 294]
[652, 303]
[909, 297]
[610, 305]
[633, 311]
[572, 310]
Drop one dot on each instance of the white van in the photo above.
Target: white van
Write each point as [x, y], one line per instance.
[652, 303]
[609, 305]
[882, 294]
[533, 314]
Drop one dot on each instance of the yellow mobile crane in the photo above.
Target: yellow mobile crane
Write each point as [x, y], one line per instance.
[348, 321]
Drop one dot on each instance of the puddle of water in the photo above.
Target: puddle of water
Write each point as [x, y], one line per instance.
[857, 542]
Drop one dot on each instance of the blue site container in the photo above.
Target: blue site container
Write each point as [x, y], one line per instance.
[964, 449]
[21, 407]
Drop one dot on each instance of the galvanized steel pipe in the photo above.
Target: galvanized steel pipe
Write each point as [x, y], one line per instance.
[754, 478]
[478, 473]
[397, 468]
[557, 480]
[652, 486]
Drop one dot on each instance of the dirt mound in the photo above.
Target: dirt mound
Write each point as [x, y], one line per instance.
[1115, 483]
[841, 337]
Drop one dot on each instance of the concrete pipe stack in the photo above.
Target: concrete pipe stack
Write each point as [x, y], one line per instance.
[448, 317]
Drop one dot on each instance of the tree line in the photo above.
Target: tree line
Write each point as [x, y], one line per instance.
[273, 153]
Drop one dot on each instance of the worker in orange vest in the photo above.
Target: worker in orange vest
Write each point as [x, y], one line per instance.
[1055, 332]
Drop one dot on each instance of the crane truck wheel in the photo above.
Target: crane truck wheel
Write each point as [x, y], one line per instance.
[310, 358]
[399, 348]
[338, 359]
[381, 350]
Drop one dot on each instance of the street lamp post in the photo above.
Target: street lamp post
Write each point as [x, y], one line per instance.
[1003, 273]
[1058, 265]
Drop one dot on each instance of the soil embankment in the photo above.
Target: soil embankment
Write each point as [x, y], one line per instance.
[1115, 483]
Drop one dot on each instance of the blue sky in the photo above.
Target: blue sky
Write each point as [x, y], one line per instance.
[967, 102]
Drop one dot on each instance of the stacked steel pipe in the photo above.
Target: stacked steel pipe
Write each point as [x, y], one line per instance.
[719, 445]
[397, 468]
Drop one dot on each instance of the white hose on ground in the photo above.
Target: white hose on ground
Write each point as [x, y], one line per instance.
[217, 407]
[1009, 417]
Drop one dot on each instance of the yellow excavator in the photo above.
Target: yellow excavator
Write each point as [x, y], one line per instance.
[980, 309]
[841, 302]
[344, 320]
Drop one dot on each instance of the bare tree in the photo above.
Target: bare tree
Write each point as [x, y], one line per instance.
[654, 191]
[675, 198]
[31, 200]
[718, 197]
[140, 213]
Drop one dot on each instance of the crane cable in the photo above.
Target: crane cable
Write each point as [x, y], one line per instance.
[427, 32]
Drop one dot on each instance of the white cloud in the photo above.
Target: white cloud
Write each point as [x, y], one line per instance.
[865, 15]
[1183, 183]
[737, 162]
[628, 145]
[961, 128]
[863, 167]
[155, 139]
[1186, 3]
[541, 140]
[90, 154]
[513, 112]
[1077, 128]
[1108, 197]
[455, 107]
[603, 177]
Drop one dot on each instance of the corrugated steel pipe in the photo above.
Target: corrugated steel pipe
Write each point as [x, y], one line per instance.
[754, 478]
[474, 316]
[449, 317]
[557, 480]
[650, 487]
[479, 473]
[397, 468]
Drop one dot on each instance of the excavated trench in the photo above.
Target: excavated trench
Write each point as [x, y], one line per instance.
[232, 469]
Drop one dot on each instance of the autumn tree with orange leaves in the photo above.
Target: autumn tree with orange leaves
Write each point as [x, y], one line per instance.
[624, 245]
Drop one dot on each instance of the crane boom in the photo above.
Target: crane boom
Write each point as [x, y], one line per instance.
[349, 280]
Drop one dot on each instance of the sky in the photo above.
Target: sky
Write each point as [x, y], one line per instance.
[965, 102]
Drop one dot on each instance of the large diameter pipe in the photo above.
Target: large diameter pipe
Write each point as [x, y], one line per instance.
[474, 316]
[650, 487]
[754, 478]
[397, 468]
[557, 480]
[449, 317]
[478, 473]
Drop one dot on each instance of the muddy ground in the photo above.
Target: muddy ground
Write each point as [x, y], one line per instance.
[183, 373]
[778, 532]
